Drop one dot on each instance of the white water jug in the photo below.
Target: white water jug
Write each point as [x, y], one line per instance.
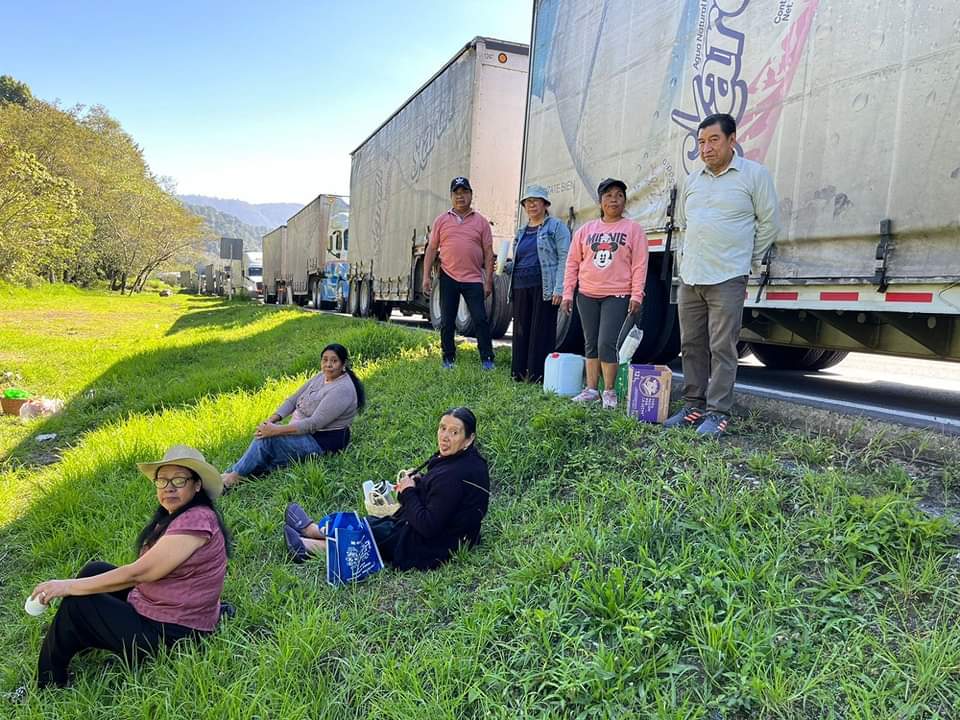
[563, 374]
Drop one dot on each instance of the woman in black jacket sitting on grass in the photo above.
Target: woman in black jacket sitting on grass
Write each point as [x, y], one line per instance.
[440, 510]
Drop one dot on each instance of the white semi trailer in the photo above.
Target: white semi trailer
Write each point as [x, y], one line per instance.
[273, 243]
[295, 263]
[854, 109]
[465, 120]
[305, 250]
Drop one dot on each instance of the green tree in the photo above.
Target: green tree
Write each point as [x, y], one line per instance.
[137, 222]
[41, 223]
[14, 91]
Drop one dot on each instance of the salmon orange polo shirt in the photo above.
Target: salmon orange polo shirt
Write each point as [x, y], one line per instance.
[461, 242]
[607, 259]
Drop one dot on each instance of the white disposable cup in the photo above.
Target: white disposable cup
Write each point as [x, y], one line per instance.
[34, 607]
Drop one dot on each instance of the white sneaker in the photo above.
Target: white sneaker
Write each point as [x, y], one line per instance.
[609, 399]
[587, 396]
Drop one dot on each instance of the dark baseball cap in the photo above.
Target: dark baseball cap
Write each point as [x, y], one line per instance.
[609, 183]
[460, 182]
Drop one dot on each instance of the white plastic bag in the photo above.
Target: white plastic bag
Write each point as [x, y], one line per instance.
[629, 345]
[40, 407]
[380, 499]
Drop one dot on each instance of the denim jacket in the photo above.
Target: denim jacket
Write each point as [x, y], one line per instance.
[553, 244]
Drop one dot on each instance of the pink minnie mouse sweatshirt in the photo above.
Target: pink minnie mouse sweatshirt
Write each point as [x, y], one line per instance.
[607, 259]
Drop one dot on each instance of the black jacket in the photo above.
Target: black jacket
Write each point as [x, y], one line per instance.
[443, 511]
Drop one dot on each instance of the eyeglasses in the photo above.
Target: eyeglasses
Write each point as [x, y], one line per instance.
[178, 482]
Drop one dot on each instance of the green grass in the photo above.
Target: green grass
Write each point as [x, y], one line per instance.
[624, 571]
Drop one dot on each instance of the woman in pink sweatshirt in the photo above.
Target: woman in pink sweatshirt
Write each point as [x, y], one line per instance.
[607, 263]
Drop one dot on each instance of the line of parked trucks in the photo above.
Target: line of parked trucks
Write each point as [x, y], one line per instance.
[235, 273]
[854, 119]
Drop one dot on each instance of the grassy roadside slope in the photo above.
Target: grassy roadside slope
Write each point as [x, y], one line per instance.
[625, 572]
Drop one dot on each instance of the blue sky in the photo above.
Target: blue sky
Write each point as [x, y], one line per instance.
[245, 100]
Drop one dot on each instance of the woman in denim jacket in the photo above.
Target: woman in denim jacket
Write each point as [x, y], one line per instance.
[536, 284]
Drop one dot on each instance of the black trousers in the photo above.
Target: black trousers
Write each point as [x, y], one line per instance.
[534, 333]
[105, 621]
[450, 292]
[386, 533]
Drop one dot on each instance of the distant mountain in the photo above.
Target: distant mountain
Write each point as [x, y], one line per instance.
[264, 215]
[226, 225]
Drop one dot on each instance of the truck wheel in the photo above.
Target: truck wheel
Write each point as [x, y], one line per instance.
[464, 320]
[829, 359]
[435, 315]
[502, 309]
[570, 331]
[365, 300]
[671, 346]
[340, 305]
[382, 310]
[497, 307]
[659, 322]
[353, 301]
[780, 357]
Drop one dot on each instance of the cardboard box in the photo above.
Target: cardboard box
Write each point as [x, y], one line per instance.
[648, 392]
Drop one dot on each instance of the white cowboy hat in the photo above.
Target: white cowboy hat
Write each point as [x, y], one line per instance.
[186, 456]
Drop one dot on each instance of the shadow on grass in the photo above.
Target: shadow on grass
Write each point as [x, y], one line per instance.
[95, 509]
[94, 502]
[595, 521]
[177, 376]
[224, 316]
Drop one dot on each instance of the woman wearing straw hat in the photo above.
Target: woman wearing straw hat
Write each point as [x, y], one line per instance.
[536, 284]
[172, 591]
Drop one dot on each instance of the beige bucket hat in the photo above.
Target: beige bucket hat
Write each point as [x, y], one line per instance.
[187, 457]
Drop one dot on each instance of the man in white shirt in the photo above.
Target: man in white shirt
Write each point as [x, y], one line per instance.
[728, 214]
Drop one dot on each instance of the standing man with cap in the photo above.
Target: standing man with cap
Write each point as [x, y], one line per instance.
[536, 284]
[464, 242]
[728, 211]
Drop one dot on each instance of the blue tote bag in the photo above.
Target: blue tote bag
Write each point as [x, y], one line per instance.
[352, 553]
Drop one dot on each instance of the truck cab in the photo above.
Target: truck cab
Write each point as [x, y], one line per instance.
[253, 274]
[334, 288]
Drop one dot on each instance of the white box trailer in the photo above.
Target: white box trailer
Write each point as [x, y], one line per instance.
[305, 249]
[466, 120]
[273, 243]
[854, 112]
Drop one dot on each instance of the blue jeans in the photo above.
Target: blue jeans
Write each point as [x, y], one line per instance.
[266, 454]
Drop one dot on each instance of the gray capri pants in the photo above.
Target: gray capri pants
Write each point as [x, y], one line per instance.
[602, 320]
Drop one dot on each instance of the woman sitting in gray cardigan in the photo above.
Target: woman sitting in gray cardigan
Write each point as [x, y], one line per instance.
[320, 412]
